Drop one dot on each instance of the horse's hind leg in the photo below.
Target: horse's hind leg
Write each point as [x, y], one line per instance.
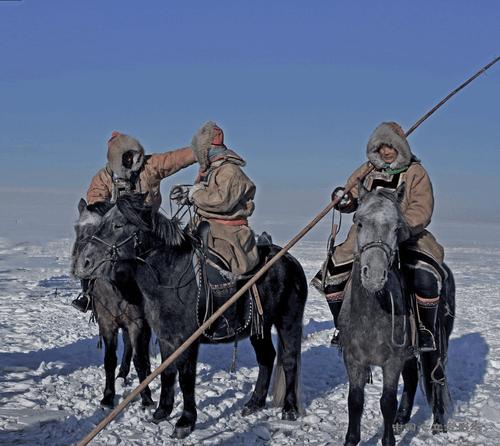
[355, 400]
[289, 329]
[127, 356]
[110, 342]
[438, 396]
[410, 380]
[265, 353]
[187, 380]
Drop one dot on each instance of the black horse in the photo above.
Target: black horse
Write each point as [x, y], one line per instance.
[375, 321]
[154, 256]
[114, 308]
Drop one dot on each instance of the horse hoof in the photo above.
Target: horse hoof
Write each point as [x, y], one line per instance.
[438, 428]
[182, 432]
[289, 415]
[126, 381]
[250, 409]
[147, 402]
[160, 415]
[402, 419]
[108, 402]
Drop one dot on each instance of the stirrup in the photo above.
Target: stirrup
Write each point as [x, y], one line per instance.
[335, 338]
[426, 340]
[82, 305]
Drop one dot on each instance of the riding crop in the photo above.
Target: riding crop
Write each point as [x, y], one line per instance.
[186, 344]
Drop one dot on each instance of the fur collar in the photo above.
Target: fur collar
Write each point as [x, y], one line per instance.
[385, 134]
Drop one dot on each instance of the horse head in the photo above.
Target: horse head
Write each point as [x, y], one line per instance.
[380, 228]
[118, 234]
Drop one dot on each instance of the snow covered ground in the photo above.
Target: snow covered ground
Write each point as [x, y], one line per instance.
[51, 373]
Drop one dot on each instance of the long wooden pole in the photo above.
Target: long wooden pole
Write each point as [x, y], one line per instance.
[187, 343]
[448, 97]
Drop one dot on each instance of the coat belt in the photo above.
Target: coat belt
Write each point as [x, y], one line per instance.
[240, 222]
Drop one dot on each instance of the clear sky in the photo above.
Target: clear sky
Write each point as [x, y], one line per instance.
[298, 86]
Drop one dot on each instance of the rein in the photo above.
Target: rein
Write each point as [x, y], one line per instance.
[390, 254]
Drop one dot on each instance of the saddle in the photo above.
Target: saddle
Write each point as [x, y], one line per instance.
[219, 284]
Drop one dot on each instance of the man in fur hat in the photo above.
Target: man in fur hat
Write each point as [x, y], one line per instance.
[130, 171]
[389, 152]
[223, 196]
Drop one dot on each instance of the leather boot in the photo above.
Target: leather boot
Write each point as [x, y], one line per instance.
[427, 313]
[335, 306]
[84, 300]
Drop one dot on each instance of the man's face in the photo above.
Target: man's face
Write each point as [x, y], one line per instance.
[388, 154]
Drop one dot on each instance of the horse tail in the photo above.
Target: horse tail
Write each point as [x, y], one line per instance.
[278, 384]
[434, 382]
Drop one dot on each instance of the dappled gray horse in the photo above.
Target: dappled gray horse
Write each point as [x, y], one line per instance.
[114, 307]
[375, 320]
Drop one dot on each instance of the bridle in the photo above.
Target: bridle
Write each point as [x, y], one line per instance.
[113, 249]
[380, 244]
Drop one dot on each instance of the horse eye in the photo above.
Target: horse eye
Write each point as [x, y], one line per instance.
[117, 226]
[360, 225]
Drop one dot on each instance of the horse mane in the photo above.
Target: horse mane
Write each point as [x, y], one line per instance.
[100, 207]
[169, 231]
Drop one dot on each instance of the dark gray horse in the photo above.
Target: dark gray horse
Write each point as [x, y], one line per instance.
[114, 308]
[375, 321]
[152, 254]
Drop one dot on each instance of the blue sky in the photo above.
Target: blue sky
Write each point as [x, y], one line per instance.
[297, 86]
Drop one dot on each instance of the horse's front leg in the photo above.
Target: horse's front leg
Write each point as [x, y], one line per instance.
[187, 380]
[265, 353]
[127, 356]
[389, 400]
[410, 380]
[355, 400]
[110, 343]
[166, 403]
[140, 335]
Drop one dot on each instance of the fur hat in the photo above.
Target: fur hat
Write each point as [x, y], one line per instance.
[389, 134]
[118, 145]
[210, 134]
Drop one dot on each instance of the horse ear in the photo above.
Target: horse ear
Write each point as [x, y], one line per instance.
[82, 205]
[362, 190]
[400, 192]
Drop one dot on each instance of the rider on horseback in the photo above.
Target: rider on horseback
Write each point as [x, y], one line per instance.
[422, 256]
[223, 196]
[130, 171]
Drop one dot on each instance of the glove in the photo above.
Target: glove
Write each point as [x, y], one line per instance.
[180, 194]
[346, 203]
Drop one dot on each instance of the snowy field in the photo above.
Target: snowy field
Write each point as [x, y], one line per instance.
[51, 373]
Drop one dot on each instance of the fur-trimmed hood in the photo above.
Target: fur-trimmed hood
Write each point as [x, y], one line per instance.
[202, 142]
[390, 134]
[118, 145]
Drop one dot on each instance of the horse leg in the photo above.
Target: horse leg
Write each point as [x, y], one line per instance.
[127, 356]
[434, 374]
[355, 401]
[289, 350]
[187, 380]
[140, 335]
[166, 403]
[265, 353]
[389, 401]
[110, 343]
[410, 380]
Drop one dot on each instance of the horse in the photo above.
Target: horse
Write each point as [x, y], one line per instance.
[114, 308]
[374, 321]
[154, 255]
